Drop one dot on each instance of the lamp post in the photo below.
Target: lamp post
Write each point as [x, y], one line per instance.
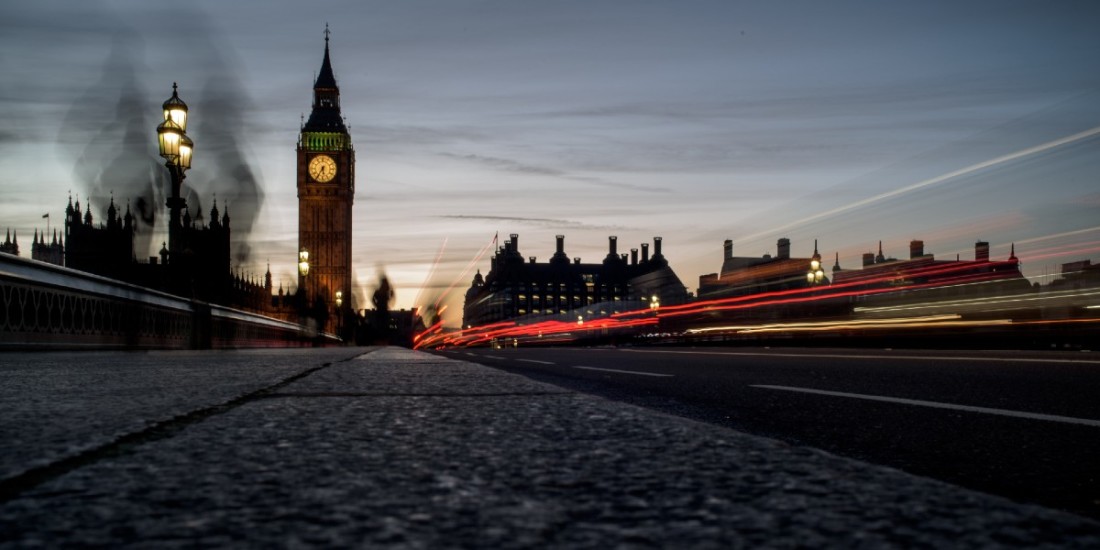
[815, 275]
[176, 148]
[339, 312]
[303, 271]
[655, 306]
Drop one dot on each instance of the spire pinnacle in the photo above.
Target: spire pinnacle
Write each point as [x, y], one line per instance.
[325, 79]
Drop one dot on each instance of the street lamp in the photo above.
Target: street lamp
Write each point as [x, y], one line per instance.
[303, 262]
[176, 148]
[816, 275]
[303, 270]
[339, 312]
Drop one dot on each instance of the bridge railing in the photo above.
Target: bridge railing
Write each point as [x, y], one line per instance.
[44, 306]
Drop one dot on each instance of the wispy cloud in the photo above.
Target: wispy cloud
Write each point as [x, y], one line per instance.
[508, 165]
[541, 222]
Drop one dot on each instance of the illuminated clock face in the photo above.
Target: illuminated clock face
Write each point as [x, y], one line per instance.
[322, 168]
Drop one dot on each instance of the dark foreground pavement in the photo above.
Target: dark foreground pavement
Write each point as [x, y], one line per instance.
[389, 447]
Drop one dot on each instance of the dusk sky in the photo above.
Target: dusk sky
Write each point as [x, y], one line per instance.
[846, 122]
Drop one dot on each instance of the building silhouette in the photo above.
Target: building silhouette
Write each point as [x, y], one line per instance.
[10, 245]
[924, 269]
[326, 191]
[202, 271]
[515, 287]
[743, 275]
[52, 251]
[107, 249]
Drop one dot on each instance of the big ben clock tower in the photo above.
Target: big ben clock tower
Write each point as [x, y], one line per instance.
[326, 190]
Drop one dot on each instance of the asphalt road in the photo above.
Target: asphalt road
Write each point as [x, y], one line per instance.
[1023, 426]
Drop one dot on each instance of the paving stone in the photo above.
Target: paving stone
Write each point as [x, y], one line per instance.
[403, 449]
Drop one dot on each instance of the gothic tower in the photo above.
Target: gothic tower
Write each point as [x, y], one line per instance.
[326, 190]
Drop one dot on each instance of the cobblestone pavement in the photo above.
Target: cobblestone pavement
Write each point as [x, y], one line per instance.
[388, 447]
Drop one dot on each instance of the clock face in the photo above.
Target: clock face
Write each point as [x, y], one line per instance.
[322, 168]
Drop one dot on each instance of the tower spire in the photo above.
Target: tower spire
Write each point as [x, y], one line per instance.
[326, 79]
[325, 115]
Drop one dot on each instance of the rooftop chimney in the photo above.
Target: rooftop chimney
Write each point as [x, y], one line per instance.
[981, 251]
[916, 249]
[633, 256]
[531, 258]
[727, 248]
[656, 247]
[515, 242]
[612, 246]
[784, 249]
[645, 252]
[868, 259]
[559, 257]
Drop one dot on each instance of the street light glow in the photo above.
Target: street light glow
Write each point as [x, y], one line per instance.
[303, 262]
[175, 109]
[169, 135]
[185, 148]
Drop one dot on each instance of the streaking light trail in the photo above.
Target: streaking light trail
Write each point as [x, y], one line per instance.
[933, 181]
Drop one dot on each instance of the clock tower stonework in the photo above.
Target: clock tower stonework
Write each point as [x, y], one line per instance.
[326, 191]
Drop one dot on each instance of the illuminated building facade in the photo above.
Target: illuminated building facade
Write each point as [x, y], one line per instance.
[515, 287]
[326, 191]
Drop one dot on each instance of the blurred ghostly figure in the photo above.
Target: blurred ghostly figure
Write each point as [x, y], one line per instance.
[382, 299]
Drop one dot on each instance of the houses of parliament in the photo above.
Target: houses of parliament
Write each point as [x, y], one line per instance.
[202, 269]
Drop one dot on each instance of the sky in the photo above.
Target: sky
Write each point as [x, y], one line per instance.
[848, 122]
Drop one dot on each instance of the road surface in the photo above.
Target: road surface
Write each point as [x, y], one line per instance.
[1021, 425]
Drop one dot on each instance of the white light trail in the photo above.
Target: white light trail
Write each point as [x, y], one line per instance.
[933, 181]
